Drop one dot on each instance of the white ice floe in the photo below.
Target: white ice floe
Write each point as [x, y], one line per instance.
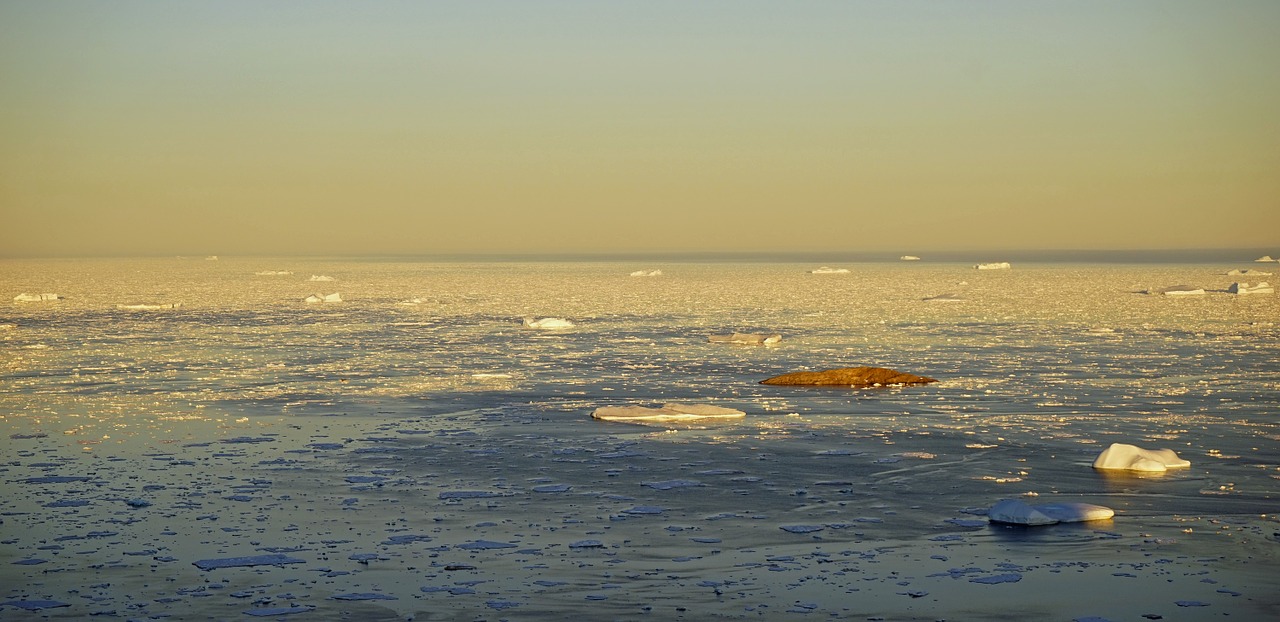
[909, 258]
[1244, 288]
[1178, 290]
[150, 307]
[1123, 457]
[668, 412]
[548, 323]
[320, 277]
[1247, 272]
[1017, 512]
[1264, 259]
[944, 298]
[211, 258]
[746, 338]
[316, 298]
[999, 265]
[273, 273]
[25, 297]
[647, 273]
[829, 270]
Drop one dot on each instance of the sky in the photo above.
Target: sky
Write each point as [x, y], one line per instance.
[655, 126]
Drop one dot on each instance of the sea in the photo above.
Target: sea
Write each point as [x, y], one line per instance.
[190, 438]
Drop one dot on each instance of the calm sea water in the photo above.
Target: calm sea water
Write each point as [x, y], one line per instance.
[1040, 368]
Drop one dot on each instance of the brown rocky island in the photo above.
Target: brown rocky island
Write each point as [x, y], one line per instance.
[855, 377]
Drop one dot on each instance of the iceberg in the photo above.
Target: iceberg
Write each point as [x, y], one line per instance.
[909, 258]
[1178, 290]
[1001, 265]
[1244, 288]
[1123, 457]
[273, 273]
[148, 307]
[320, 277]
[829, 270]
[1016, 512]
[746, 338]
[315, 298]
[1247, 272]
[647, 273]
[548, 323]
[667, 412]
[1264, 259]
[25, 297]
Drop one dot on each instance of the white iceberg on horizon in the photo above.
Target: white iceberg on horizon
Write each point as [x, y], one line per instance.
[1264, 259]
[1124, 457]
[647, 273]
[668, 412]
[25, 297]
[829, 270]
[548, 323]
[316, 298]
[909, 258]
[1244, 288]
[999, 265]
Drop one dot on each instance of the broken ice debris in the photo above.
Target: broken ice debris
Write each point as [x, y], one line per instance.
[320, 277]
[999, 265]
[1017, 512]
[746, 338]
[1178, 290]
[829, 270]
[668, 412]
[315, 298]
[273, 273]
[1123, 457]
[909, 258]
[25, 297]
[1244, 288]
[548, 323]
[647, 273]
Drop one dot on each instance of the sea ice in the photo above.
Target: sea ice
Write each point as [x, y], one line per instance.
[647, 273]
[254, 560]
[320, 277]
[548, 323]
[1018, 512]
[944, 298]
[746, 338]
[25, 297]
[316, 298]
[1265, 259]
[668, 412]
[909, 258]
[1120, 456]
[829, 270]
[1178, 290]
[1001, 265]
[149, 307]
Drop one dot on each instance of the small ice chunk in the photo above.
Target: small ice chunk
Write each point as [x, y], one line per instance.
[1244, 288]
[829, 270]
[268, 612]
[1075, 512]
[1124, 457]
[25, 297]
[647, 273]
[485, 545]
[673, 483]
[548, 323]
[363, 596]
[318, 298]
[746, 338]
[35, 605]
[1011, 577]
[254, 560]
[667, 412]
[998, 265]
[1018, 513]
[802, 528]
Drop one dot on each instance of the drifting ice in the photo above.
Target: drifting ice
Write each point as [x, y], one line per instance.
[548, 323]
[314, 298]
[1264, 259]
[1122, 457]
[171, 305]
[828, 270]
[1178, 290]
[25, 297]
[1244, 288]
[647, 273]
[668, 412]
[1020, 513]
[909, 258]
[320, 277]
[746, 338]
[1002, 265]
[273, 273]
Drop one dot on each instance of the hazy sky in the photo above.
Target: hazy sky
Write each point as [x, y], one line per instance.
[226, 127]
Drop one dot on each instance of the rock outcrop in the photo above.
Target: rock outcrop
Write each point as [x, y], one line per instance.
[857, 377]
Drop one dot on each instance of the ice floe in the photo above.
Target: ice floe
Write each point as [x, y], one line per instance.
[273, 273]
[1247, 272]
[1265, 259]
[1015, 512]
[746, 338]
[829, 270]
[999, 265]
[319, 298]
[149, 307]
[320, 277]
[647, 273]
[1177, 290]
[1124, 457]
[667, 412]
[1244, 288]
[25, 297]
[909, 258]
[548, 323]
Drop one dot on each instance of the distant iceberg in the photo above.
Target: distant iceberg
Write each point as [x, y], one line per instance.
[548, 323]
[1244, 288]
[315, 298]
[1178, 290]
[1264, 259]
[746, 338]
[25, 297]
[668, 412]
[829, 270]
[909, 258]
[1000, 265]
[647, 273]
[320, 277]
[150, 307]
[211, 258]
[273, 273]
